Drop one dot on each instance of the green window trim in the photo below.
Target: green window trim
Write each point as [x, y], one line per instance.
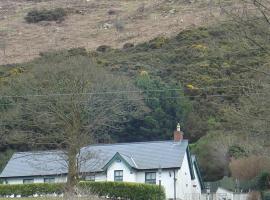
[150, 177]
[118, 175]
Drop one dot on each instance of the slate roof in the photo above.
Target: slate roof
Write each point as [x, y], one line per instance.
[140, 155]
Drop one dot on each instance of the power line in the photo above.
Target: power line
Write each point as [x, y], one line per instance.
[117, 92]
[145, 98]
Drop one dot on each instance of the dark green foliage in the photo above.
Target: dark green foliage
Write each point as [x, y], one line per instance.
[35, 16]
[128, 45]
[167, 108]
[103, 48]
[266, 195]
[236, 151]
[4, 157]
[31, 189]
[263, 181]
[132, 191]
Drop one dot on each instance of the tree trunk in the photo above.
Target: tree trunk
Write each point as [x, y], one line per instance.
[72, 176]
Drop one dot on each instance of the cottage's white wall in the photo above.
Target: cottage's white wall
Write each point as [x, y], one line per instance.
[184, 183]
[128, 174]
[166, 177]
[58, 179]
[13, 181]
[101, 176]
[196, 186]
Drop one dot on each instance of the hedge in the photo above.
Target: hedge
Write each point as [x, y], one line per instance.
[123, 190]
[266, 195]
[31, 189]
[132, 191]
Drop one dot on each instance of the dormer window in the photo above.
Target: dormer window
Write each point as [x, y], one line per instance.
[118, 175]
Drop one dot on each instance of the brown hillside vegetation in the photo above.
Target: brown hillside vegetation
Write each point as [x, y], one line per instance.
[91, 23]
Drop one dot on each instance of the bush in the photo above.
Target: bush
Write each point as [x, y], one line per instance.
[132, 191]
[104, 48]
[31, 189]
[35, 16]
[264, 181]
[266, 195]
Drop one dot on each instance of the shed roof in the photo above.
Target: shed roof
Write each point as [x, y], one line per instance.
[141, 155]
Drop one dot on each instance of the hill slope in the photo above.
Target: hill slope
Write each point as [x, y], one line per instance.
[93, 23]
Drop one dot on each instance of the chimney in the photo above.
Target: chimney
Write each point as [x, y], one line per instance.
[178, 134]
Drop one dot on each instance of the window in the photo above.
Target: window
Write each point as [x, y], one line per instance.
[150, 177]
[27, 181]
[90, 177]
[118, 175]
[49, 180]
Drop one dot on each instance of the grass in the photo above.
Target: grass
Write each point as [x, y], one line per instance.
[84, 26]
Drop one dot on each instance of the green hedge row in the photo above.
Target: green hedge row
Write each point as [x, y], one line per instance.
[132, 191]
[31, 189]
[266, 195]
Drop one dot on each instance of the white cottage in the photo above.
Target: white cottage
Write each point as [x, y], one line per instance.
[168, 163]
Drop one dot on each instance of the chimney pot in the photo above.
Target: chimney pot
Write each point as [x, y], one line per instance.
[178, 134]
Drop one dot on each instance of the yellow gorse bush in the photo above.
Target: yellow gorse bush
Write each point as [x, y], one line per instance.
[16, 71]
[201, 47]
[191, 87]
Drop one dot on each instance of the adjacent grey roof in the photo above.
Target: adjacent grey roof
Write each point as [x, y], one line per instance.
[35, 164]
[140, 155]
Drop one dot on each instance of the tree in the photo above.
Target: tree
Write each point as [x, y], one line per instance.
[250, 167]
[167, 107]
[66, 102]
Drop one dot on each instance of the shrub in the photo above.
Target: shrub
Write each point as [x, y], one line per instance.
[132, 191]
[31, 189]
[103, 48]
[35, 16]
[128, 45]
[263, 181]
[158, 42]
[266, 195]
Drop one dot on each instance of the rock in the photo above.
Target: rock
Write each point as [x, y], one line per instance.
[107, 25]
[172, 11]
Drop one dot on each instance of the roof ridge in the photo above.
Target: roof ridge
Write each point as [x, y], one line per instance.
[125, 143]
[37, 152]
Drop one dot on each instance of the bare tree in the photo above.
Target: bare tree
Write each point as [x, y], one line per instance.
[67, 105]
[256, 164]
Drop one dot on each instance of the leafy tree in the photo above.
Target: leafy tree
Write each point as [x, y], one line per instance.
[166, 108]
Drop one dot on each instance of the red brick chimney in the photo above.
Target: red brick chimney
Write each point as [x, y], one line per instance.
[178, 135]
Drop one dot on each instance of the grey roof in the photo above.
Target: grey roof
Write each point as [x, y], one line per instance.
[140, 155]
[35, 164]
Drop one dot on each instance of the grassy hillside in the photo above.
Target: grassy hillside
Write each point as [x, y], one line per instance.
[207, 71]
[93, 23]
